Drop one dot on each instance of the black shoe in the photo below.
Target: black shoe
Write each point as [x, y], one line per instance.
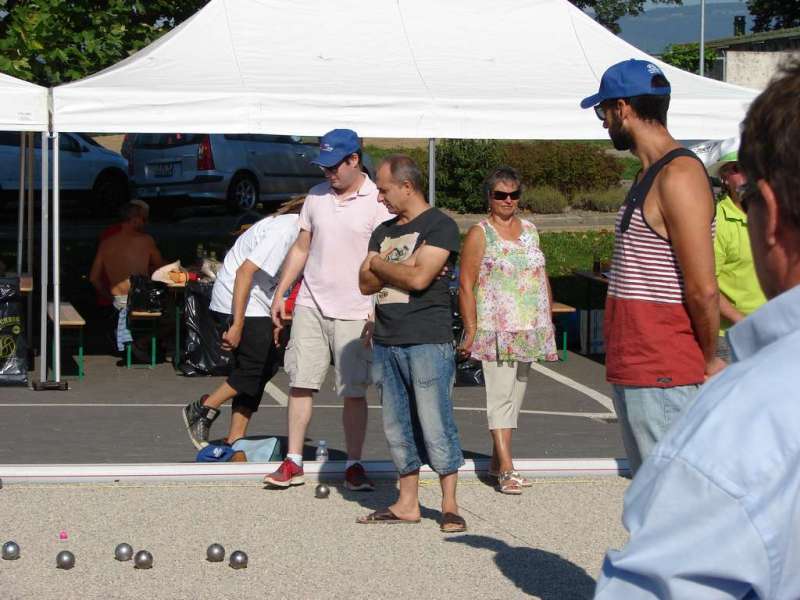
[198, 419]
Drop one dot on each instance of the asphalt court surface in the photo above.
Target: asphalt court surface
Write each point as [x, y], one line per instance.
[117, 415]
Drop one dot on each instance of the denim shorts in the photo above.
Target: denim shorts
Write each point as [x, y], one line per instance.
[415, 386]
[646, 414]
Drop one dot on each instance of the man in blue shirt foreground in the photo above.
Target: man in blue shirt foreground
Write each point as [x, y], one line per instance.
[715, 510]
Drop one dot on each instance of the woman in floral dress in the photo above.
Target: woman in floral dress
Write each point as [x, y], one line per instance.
[505, 302]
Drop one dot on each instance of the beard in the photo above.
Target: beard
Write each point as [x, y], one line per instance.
[621, 139]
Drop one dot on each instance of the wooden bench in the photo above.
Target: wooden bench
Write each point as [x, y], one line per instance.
[68, 318]
[152, 319]
[558, 309]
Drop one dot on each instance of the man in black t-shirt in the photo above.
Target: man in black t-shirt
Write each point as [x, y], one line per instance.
[413, 365]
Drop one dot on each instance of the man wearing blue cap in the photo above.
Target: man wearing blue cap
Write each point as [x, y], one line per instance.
[330, 319]
[662, 310]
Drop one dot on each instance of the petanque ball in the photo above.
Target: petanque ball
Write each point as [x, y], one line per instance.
[238, 560]
[143, 560]
[322, 491]
[65, 560]
[10, 551]
[215, 553]
[123, 552]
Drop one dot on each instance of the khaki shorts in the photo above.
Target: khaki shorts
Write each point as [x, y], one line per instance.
[506, 383]
[314, 339]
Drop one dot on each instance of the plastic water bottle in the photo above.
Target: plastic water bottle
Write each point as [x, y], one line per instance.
[322, 451]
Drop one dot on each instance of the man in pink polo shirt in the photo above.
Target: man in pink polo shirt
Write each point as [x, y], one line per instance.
[331, 314]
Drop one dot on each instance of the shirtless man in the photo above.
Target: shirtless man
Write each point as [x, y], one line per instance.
[130, 252]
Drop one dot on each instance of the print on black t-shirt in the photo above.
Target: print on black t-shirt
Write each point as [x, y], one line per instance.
[424, 317]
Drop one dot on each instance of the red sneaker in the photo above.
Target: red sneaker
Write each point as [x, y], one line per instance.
[355, 479]
[287, 474]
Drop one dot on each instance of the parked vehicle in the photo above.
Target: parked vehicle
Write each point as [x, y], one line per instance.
[239, 170]
[86, 167]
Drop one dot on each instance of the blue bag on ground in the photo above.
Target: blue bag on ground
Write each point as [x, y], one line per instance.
[261, 451]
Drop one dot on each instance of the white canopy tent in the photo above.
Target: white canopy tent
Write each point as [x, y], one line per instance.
[24, 108]
[509, 69]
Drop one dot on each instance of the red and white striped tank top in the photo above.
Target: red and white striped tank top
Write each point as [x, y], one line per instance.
[650, 340]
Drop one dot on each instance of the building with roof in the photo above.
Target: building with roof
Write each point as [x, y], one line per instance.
[751, 60]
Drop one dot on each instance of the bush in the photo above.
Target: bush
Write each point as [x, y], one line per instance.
[566, 252]
[543, 200]
[461, 166]
[418, 155]
[602, 200]
[568, 166]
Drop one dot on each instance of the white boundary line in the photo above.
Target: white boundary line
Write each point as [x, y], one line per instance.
[604, 400]
[276, 393]
[552, 413]
[314, 471]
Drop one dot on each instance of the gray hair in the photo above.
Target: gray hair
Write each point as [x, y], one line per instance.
[134, 208]
[502, 173]
[403, 168]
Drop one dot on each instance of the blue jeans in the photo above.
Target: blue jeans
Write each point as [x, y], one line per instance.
[646, 414]
[415, 386]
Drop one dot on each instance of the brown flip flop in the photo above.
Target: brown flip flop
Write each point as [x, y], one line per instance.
[452, 523]
[383, 517]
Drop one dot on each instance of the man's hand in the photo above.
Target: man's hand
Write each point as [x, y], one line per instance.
[232, 337]
[279, 318]
[714, 366]
[465, 345]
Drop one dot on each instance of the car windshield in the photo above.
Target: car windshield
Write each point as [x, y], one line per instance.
[167, 140]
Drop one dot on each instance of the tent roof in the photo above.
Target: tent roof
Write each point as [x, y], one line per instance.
[386, 68]
[23, 105]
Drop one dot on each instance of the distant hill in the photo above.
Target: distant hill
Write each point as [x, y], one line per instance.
[660, 27]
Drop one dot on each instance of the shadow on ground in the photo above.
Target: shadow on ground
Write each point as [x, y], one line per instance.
[536, 572]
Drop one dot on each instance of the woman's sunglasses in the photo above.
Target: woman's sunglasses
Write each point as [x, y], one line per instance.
[515, 195]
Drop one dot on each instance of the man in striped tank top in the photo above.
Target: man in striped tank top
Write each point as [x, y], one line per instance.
[662, 310]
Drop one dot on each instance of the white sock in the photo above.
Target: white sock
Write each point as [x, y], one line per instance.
[296, 459]
[350, 463]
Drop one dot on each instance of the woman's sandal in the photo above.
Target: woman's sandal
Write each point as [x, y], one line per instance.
[508, 484]
[452, 523]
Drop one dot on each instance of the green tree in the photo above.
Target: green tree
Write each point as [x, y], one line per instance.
[55, 41]
[687, 57]
[609, 12]
[774, 14]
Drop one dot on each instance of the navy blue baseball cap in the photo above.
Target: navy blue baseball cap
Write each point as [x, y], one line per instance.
[627, 79]
[335, 146]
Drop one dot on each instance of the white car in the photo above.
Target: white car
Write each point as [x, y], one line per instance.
[85, 167]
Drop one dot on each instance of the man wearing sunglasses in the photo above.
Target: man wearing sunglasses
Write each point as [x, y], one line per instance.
[714, 513]
[740, 291]
[330, 315]
[662, 310]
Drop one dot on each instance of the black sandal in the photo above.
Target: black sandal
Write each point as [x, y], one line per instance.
[383, 517]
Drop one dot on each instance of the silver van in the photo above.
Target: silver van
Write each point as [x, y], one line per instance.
[239, 170]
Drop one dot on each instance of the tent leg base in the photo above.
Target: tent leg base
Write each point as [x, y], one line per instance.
[42, 386]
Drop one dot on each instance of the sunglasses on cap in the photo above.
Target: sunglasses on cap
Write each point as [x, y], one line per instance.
[498, 195]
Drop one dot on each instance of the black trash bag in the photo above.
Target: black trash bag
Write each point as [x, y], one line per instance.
[13, 340]
[146, 295]
[469, 373]
[201, 335]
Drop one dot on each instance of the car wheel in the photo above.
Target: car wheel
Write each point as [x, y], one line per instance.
[110, 192]
[242, 193]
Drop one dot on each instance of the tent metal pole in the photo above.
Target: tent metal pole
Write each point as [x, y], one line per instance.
[30, 248]
[21, 206]
[56, 260]
[432, 171]
[45, 250]
[702, 38]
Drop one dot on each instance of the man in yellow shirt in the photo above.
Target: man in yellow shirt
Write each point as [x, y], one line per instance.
[740, 292]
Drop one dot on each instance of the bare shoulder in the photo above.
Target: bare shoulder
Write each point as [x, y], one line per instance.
[684, 177]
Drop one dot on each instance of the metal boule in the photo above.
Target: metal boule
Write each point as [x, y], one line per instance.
[215, 553]
[143, 560]
[10, 551]
[123, 552]
[65, 560]
[238, 560]
[322, 491]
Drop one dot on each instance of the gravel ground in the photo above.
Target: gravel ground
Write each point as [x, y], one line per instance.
[547, 543]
